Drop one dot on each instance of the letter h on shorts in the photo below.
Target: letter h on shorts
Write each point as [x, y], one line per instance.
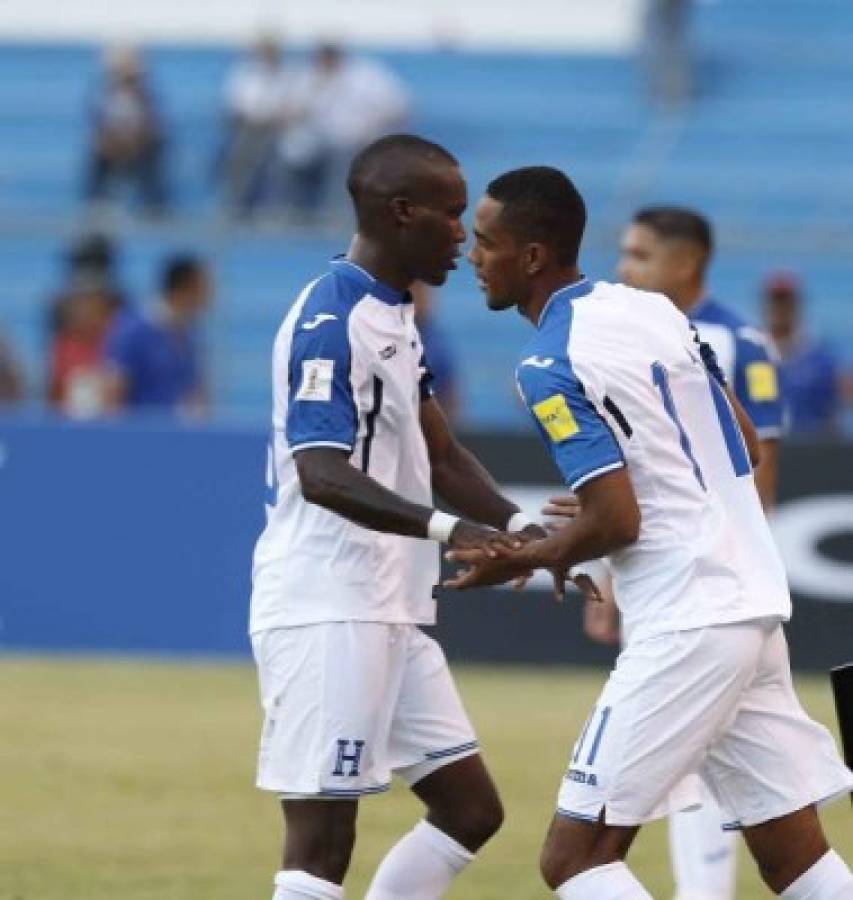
[354, 758]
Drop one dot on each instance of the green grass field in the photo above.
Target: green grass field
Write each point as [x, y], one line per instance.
[134, 780]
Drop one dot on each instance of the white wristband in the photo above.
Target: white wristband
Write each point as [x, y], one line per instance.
[519, 521]
[441, 526]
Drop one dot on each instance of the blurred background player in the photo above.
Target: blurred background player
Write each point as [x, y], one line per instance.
[344, 571]
[152, 357]
[667, 249]
[810, 375]
[617, 384]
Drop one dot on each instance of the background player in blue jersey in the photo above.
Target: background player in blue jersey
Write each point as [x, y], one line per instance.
[344, 572]
[635, 414]
[667, 249]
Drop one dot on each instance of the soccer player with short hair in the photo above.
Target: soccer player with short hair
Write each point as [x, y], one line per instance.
[344, 571]
[637, 418]
[667, 249]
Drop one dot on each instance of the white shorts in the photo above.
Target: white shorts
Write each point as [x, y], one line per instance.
[348, 703]
[715, 701]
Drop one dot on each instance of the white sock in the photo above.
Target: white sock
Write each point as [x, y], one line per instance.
[828, 879]
[291, 884]
[420, 866]
[703, 855]
[611, 882]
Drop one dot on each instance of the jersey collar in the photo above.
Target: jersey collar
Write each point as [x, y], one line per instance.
[569, 292]
[362, 277]
[705, 302]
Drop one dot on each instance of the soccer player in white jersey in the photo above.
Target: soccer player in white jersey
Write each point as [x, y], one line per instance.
[352, 689]
[642, 430]
[667, 249]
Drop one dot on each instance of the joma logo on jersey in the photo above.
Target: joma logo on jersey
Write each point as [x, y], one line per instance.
[318, 320]
[538, 362]
[556, 418]
[582, 777]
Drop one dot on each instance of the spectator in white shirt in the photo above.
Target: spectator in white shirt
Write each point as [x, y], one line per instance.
[256, 102]
[338, 105]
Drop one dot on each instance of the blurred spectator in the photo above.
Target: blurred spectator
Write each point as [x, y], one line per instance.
[255, 101]
[75, 382]
[90, 262]
[153, 359]
[338, 105]
[437, 350]
[127, 133]
[807, 366]
[667, 54]
[11, 381]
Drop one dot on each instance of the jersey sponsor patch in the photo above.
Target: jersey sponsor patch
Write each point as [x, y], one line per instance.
[317, 377]
[761, 382]
[556, 418]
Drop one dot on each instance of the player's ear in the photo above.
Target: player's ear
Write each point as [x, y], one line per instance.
[402, 210]
[535, 258]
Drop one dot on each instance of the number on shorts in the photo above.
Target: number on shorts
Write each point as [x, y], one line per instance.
[596, 740]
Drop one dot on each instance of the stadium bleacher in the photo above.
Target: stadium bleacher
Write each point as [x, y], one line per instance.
[765, 150]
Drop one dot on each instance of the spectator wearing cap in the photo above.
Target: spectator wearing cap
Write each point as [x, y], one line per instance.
[807, 366]
[153, 358]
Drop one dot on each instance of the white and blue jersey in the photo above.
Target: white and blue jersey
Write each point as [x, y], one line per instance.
[348, 373]
[746, 357]
[613, 378]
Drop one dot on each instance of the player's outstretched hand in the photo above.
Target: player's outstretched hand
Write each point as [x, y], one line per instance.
[484, 569]
[563, 507]
[467, 536]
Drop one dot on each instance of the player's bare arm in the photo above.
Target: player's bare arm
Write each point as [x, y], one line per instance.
[460, 479]
[327, 479]
[608, 520]
[767, 471]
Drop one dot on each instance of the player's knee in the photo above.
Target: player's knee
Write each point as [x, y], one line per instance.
[486, 819]
[325, 852]
[472, 824]
[558, 863]
[480, 821]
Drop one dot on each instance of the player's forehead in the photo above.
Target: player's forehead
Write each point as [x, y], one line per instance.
[638, 236]
[487, 216]
[441, 185]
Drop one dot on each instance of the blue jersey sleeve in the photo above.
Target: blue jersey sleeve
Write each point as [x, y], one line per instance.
[321, 408]
[578, 439]
[120, 347]
[756, 384]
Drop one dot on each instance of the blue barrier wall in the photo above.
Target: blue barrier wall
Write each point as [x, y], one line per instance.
[127, 537]
[137, 537]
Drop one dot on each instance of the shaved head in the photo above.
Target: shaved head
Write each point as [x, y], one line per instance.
[399, 165]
